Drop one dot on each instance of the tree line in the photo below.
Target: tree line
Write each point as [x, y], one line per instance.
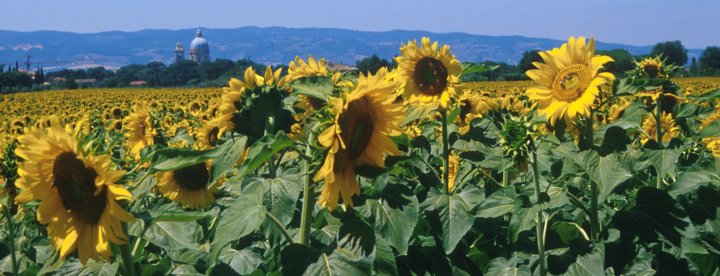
[673, 52]
[218, 72]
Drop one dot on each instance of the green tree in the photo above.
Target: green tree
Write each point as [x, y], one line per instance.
[528, 57]
[213, 70]
[371, 64]
[152, 73]
[126, 74]
[99, 73]
[622, 61]
[181, 72]
[710, 60]
[673, 51]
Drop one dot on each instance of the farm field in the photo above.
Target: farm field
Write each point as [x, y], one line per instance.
[407, 171]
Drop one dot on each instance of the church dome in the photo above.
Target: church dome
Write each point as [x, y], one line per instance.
[199, 43]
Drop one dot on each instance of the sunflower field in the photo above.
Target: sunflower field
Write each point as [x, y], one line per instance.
[406, 171]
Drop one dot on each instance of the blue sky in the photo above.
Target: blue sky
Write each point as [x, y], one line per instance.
[638, 22]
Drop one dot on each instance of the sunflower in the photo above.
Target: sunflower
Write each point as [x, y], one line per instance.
[668, 128]
[117, 125]
[360, 135]
[472, 106]
[78, 192]
[617, 110]
[428, 74]
[188, 186]
[651, 67]
[139, 130]
[453, 167]
[713, 142]
[207, 135]
[249, 106]
[299, 69]
[567, 81]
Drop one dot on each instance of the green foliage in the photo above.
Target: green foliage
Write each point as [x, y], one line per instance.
[674, 51]
[372, 64]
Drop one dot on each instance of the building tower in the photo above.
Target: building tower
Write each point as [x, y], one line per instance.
[199, 49]
[179, 52]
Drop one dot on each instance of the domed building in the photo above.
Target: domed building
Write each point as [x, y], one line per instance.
[199, 49]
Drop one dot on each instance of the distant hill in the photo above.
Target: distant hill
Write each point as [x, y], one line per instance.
[271, 45]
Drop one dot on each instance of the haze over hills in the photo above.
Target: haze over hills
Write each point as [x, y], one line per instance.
[269, 45]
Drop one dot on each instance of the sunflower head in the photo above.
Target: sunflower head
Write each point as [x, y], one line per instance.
[514, 138]
[359, 136]
[139, 130]
[208, 136]
[668, 129]
[567, 82]
[254, 106]
[651, 67]
[78, 192]
[299, 69]
[428, 74]
[189, 186]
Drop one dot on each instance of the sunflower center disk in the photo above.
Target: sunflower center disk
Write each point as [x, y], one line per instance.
[192, 178]
[465, 109]
[430, 76]
[212, 136]
[76, 185]
[570, 83]
[357, 127]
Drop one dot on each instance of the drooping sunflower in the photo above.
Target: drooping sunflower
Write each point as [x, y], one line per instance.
[188, 186]
[139, 130]
[568, 80]
[78, 192]
[668, 128]
[360, 135]
[247, 106]
[428, 74]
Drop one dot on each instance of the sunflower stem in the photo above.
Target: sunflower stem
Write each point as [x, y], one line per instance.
[127, 256]
[269, 130]
[446, 151]
[594, 219]
[505, 177]
[280, 226]
[658, 135]
[11, 235]
[308, 198]
[539, 230]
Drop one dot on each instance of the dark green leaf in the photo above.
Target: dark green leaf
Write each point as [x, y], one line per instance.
[169, 159]
[226, 161]
[342, 261]
[262, 150]
[469, 68]
[100, 268]
[502, 266]
[455, 217]
[608, 172]
[316, 87]
[498, 204]
[394, 224]
[242, 218]
[712, 130]
[173, 235]
[664, 160]
[243, 261]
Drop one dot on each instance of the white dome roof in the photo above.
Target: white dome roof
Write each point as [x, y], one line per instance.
[199, 43]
